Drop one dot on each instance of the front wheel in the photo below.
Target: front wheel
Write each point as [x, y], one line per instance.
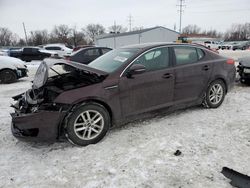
[215, 94]
[87, 124]
[7, 76]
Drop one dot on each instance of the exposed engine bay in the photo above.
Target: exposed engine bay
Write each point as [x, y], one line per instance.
[49, 82]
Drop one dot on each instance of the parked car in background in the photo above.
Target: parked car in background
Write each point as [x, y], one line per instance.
[235, 45]
[81, 46]
[244, 70]
[88, 54]
[11, 69]
[240, 45]
[226, 46]
[6, 51]
[61, 49]
[121, 85]
[3, 52]
[213, 44]
[31, 53]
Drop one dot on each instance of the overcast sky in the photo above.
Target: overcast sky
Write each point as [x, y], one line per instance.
[44, 14]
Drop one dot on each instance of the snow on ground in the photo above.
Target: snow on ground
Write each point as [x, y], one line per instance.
[235, 54]
[139, 154]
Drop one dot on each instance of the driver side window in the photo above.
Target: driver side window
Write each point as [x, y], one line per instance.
[155, 59]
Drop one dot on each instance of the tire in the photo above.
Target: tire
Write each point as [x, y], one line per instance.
[215, 94]
[87, 124]
[243, 81]
[7, 76]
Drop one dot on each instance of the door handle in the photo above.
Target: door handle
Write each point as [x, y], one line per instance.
[167, 75]
[205, 67]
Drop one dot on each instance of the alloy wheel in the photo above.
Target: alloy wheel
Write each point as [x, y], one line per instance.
[88, 125]
[216, 94]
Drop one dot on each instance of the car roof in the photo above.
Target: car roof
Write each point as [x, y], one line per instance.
[159, 44]
[93, 47]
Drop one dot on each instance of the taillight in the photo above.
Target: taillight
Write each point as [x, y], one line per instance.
[230, 61]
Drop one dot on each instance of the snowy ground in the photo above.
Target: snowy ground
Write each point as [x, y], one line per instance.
[138, 154]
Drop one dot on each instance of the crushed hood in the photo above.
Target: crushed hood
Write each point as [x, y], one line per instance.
[50, 62]
[41, 75]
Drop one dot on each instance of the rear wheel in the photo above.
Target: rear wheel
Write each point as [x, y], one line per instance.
[215, 94]
[7, 76]
[87, 124]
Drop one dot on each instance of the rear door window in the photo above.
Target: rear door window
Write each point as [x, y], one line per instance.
[186, 55]
[92, 52]
[53, 48]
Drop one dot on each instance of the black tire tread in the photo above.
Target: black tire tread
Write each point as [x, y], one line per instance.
[205, 101]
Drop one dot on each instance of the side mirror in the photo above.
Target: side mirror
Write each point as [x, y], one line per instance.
[136, 69]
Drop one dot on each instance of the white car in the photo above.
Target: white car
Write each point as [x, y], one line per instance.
[213, 44]
[60, 49]
[11, 69]
[3, 52]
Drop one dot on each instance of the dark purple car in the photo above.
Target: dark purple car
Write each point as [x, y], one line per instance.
[124, 84]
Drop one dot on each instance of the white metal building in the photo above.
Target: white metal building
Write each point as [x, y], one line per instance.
[154, 34]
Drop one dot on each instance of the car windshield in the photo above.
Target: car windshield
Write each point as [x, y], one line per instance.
[114, 59]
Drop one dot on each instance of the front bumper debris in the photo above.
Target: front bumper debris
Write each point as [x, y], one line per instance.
[244, 72]
[22, 72]
[39, 126]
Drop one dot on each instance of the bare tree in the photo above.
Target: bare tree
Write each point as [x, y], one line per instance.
[191, 29]
[21, 42]
[38, 37]
[93, 30]
[137, 28]
[77, 37]
[212, 33]
[60, 33]
[7, 38]
[117, 29]
[238, 32]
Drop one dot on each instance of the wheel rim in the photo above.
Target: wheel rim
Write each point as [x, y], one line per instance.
[6, 77]
[216, 94]
[88, 125]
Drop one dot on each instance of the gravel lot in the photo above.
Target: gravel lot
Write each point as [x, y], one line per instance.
[138, 154]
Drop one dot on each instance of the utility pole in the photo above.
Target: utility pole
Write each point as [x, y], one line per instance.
[130, 22]
[114, 34]
[25, 34]
[115, 26]
[180, 10]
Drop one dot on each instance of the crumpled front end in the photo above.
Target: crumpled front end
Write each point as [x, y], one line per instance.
[37, 116]
[36, 121]
[244, 71]
[42, 126]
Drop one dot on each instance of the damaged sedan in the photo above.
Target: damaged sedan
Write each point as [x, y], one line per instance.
[83, 102]
[244, 70]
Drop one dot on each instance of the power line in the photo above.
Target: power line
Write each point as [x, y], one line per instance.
[180, 10]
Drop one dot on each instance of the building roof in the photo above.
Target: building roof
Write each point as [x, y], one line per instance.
[132, 32]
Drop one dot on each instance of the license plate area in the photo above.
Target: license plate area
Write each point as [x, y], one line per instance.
[247, 71]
